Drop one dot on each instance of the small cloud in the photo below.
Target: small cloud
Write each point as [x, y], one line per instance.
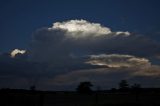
[16, 51]
[123, 33]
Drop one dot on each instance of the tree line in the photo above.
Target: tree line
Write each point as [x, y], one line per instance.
[86, 86]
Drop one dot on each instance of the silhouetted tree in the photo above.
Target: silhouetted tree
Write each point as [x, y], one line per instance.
[113, 90]
[123, 85]
[136, 89]
[84, 87]
[136, 86]
[33, 88]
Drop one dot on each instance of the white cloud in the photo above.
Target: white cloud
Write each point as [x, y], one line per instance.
[118, 60]
[123, 33]
[17, 51]
[81, 25]
[82, 28]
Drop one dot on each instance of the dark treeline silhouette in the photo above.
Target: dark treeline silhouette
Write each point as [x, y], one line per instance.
[124, 95]
[84, 88]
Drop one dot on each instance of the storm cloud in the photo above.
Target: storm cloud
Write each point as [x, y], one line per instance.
[68, 39]
[74, 37]
[77, 50]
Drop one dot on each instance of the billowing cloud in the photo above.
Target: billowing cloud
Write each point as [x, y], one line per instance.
[78, 38]
[82, 28]
[17, 51]
[74, 37]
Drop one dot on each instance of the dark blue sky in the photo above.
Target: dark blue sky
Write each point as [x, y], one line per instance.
[20, 18]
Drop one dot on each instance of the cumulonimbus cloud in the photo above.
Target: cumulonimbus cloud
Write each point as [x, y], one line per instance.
[81, 37]
[59, 54]
[67, 44]
[70, 37]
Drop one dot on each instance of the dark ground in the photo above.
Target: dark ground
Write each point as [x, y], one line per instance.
[145, 97]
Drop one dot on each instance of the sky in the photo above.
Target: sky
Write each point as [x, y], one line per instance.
[55, 44]
[20, 18]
